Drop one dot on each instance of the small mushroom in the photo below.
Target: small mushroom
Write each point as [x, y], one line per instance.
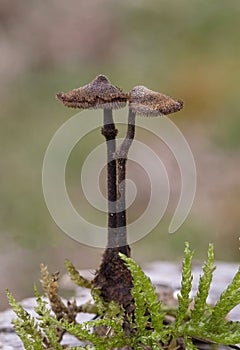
[113, 278]
[101, 94]
[145, 102]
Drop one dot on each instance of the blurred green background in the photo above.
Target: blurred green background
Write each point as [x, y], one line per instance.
[187, 49]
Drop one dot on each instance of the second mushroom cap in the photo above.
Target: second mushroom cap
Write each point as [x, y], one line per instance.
[146, 102]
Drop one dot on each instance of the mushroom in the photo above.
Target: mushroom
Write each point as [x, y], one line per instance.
[113, 277]
[100, 93]
[145, 102]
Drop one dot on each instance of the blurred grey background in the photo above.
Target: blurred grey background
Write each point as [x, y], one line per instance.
[187, 49]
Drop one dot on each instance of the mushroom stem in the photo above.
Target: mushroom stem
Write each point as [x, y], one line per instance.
[113, 278]
[121, 155]
[110, 132]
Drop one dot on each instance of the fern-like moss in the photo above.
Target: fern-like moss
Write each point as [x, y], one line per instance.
[183, 298]
[200, 301]
[145, 298]
[76, 277]
[148, 326]
[228, 299]
[26, 327]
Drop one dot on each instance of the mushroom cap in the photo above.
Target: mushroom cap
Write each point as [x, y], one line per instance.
[100, 93]
[146, 102]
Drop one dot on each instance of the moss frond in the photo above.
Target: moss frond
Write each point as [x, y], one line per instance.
[76, 277]
[148, 325]
[26, 327]
[200, 301]
[187, 277]
[228, 299]
[148, 308]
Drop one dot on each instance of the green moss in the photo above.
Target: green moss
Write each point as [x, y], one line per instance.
[146, 326]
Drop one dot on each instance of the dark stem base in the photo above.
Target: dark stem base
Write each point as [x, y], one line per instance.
[115, 280]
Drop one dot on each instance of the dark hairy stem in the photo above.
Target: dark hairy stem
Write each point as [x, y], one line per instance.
[113, 278]
[121, 156]
[110, 132]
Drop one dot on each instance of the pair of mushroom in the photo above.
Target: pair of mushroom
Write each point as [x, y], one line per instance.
[100, 93]
[113, 278]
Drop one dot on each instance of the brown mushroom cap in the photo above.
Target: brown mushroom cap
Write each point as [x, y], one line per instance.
[146, 102]
[100, 93]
